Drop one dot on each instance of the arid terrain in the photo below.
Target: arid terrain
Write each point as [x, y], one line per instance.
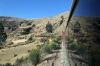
[20, 30]
[16, 42]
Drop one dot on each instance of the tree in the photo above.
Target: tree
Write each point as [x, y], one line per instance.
[3, 35]
[61, 21]
[76, 27]
[62, 17]
[49, 27]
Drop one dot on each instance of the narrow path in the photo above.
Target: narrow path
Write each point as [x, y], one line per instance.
[64, 53]
[64, 58]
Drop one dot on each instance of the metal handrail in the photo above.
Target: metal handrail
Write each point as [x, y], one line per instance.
[74, 4]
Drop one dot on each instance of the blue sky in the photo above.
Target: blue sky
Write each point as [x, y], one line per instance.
[33, 8]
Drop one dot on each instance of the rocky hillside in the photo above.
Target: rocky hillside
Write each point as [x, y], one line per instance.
[17, 25]
[89, 25]
[19, 30]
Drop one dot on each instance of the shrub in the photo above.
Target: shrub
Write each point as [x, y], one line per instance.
[38, 46]
[20, 61]
[28, 51]
[34, 56]
[56, 39]
[33, 25]
[10, 43]
[70, 39]
[46, 49]
[52, 46]
[49, 47]
[29, 23]
[30, 38]
[74, 46]
[43, 40]
[80, 49]
[8, 64]
[62, 17]
[15, 55]
[24, 33]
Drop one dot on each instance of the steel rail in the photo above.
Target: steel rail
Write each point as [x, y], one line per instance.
[74, 4]
[73, 7]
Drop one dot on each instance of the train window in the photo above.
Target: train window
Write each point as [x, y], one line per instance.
[83, 33]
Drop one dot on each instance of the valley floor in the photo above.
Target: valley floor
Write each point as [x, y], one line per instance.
[7, 55]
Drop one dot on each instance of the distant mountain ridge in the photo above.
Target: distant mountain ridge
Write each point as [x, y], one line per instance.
[12, 24]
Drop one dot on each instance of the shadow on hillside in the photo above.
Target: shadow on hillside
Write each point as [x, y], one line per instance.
[75, 56]
[50, 58]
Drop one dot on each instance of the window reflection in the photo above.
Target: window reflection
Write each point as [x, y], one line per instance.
[83, 34]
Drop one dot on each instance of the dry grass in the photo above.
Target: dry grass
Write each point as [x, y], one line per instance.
[7, 55]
